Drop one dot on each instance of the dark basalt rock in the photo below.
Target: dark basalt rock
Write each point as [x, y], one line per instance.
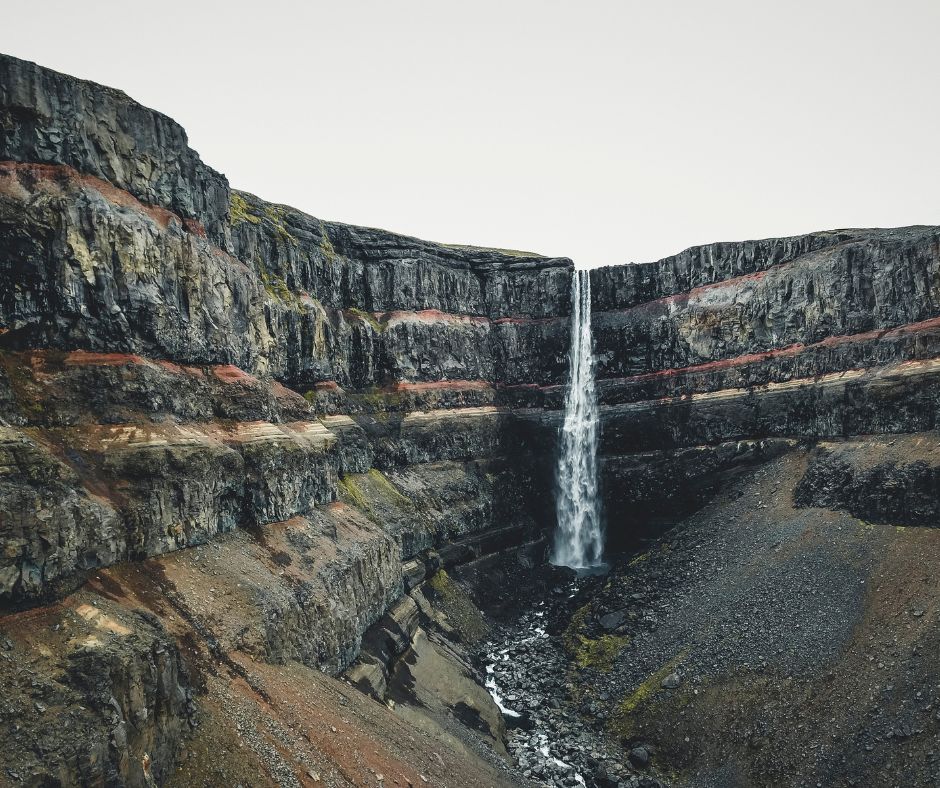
[51, 118]
[185, 365]
[624, 286]
[872, 280]
[99, 711]
[892, 480]
[345, 267]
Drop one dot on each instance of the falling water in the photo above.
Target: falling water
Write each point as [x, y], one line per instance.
[579, 539]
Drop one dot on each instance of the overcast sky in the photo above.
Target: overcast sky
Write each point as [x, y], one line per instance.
[605, 131]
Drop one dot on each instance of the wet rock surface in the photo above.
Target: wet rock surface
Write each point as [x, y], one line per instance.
[554, 739]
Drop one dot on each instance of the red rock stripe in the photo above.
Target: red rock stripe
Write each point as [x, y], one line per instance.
[923, 326]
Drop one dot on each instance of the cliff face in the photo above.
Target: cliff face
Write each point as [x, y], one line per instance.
[770, 414]
[234, 436]
[51, 118]
[825, 336]
[181, 365]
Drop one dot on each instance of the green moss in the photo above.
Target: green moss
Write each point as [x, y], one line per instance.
[365, 491]
[276, 214]
[389, 490]
[240, 211]
[598, 653]
[376, 401]
[351, 493]
[640, 558]
[507, 252]
[277, 287]
[459, 609]
[326, 245]
[623, 723]
[367, 317]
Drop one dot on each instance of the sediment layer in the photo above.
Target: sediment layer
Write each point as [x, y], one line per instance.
[234, 436]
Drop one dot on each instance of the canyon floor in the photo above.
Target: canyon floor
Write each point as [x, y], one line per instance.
[755, 644]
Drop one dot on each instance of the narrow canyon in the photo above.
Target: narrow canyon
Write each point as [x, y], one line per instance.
[288, 502]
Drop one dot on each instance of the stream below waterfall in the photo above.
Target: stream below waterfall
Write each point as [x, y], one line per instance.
[553, 741]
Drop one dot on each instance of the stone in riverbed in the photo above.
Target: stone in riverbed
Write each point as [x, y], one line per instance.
[671, 681]
[611, 621]
[640, 757]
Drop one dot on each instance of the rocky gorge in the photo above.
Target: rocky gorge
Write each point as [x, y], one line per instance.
[276, 493]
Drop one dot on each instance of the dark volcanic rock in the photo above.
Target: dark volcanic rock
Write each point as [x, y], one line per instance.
[625, 286]
[100, 709]
[870, 280]
[269, 426]
[884, 480]
[51, 118]
[377, 271]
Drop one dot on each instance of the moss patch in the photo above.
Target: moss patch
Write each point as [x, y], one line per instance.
[368, 491]
[351, 493]
[240, 211]
[326, 245]
[277, 287]
[507, 252]
[367, 317]
[598, 653]
[390, 491]
[623, 722]
[375, 400]
[459, 609]
[276, 214]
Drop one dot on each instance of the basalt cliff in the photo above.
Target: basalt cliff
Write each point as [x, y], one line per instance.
[265, 480]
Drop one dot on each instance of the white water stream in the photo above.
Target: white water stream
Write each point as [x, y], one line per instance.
[579, 540]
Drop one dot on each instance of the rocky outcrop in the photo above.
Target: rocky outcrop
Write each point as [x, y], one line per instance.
[626, 286]
[94, 693]
[348, 267]
[145, 358]
[891, 480]
[825, 336]
[51, 118]
[872, 280]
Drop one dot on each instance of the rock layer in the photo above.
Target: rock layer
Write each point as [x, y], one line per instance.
[235, 436]
[158, 333]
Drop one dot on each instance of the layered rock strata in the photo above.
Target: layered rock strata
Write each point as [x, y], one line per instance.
[726, 354]
[234, 420]
[235, 436]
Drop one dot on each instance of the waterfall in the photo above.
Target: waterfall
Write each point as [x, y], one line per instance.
[579, 540]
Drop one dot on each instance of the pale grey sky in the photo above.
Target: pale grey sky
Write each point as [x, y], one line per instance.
[606, 131]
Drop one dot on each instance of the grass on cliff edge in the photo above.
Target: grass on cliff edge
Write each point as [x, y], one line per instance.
[365, 490]
[507, 252]
[457, 607]
[240, 211]
[367, 317]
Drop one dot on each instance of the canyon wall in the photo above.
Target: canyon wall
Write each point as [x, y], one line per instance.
[251, 429]
[728, 354]
[234, 436]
